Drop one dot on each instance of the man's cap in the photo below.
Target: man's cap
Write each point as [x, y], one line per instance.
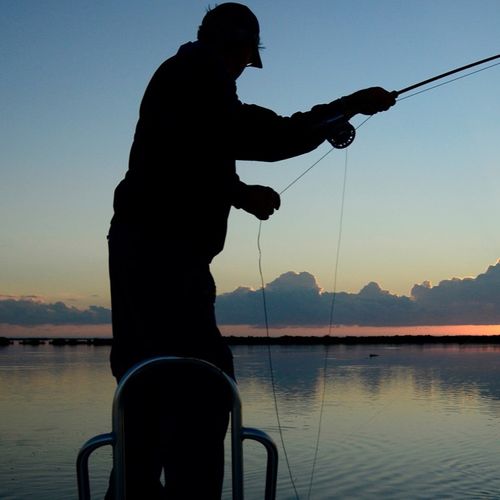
[230, 23]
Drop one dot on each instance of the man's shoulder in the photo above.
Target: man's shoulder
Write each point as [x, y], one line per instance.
[189, 55]
[194, 68]
[190, 61]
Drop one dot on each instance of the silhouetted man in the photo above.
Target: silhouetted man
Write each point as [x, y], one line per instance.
[170, 220]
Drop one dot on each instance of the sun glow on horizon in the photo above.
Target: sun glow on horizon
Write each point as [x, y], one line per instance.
[104, 331]
[361, 331]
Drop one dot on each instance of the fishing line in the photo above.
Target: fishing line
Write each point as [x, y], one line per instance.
[306, 171]
[266, 321]
[271, 369]
[447, 73]
[332, 307]
[316, 162]
[448, 81]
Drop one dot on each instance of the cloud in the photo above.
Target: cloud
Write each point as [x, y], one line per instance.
[295, 299]
[461, 300]
[29, 311]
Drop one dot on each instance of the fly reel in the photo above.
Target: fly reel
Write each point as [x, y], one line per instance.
[342, 136]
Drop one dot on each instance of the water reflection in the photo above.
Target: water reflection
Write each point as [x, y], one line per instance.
[406, 422]
[299, 371]
[410, 422]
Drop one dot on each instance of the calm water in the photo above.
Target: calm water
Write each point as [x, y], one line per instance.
[414, 422]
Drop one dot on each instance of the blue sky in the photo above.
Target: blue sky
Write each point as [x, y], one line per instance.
[423, 189]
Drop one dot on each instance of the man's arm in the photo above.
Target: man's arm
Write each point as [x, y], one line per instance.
[263, 135]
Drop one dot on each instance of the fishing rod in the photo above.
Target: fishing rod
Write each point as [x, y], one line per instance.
[344, 133]
[444, 75]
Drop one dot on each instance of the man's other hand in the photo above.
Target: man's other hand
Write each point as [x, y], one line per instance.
[260, 201]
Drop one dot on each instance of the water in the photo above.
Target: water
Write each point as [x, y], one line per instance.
[414, 422]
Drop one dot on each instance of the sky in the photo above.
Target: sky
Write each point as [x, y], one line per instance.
[422, 192]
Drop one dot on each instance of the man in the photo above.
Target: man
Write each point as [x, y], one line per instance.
[171, 211]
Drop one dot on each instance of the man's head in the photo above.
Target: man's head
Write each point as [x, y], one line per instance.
[234, 30]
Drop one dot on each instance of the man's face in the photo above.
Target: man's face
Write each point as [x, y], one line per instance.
[239, 60]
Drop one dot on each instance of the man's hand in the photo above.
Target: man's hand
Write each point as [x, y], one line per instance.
[369, 101]
[260, 201]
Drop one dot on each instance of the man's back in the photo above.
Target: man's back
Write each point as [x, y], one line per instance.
[181, 175]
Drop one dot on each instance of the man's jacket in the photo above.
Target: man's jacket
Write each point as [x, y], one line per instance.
[182, 181]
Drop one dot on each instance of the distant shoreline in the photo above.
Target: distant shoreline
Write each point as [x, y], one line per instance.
[282, 340]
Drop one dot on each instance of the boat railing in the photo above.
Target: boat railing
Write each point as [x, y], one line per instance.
[116, 438]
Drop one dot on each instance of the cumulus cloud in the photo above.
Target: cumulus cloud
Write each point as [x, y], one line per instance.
[295, 299]
[29, 311]
[461, 300]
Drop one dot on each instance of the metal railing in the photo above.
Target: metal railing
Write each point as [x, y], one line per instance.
[116, 437]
